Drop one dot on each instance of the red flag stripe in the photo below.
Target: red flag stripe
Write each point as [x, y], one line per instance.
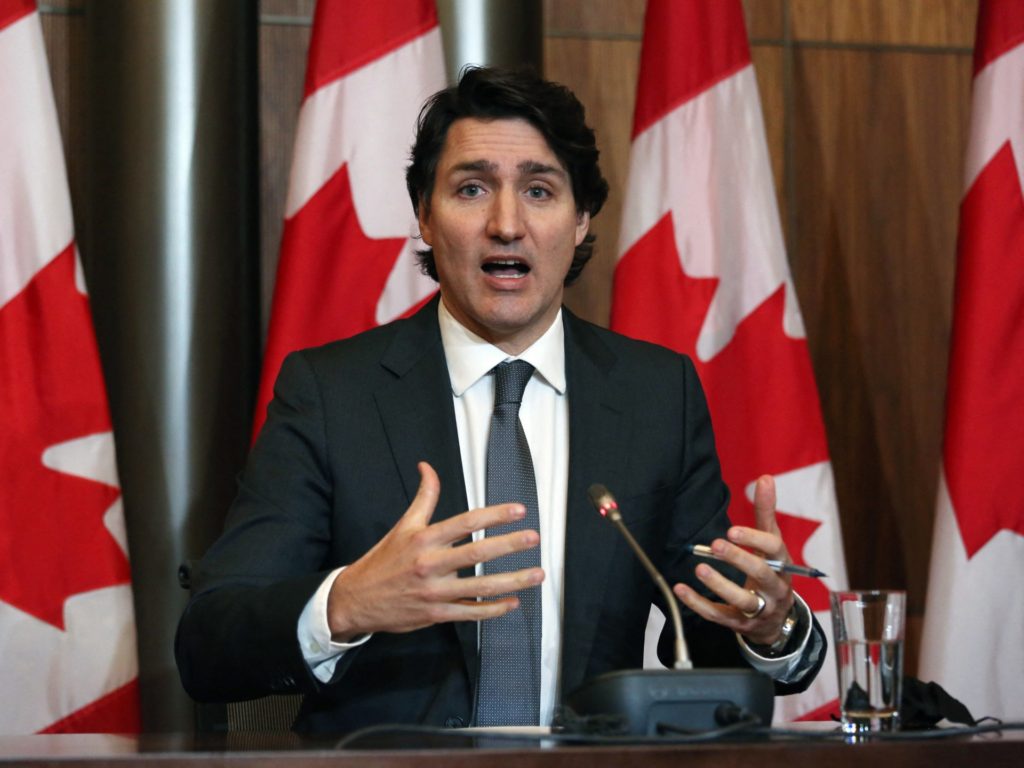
[51, 391]
[346, 261]
[117, 712]
[703, 270]
[677, 63]
[319, 275]
[66, 622]
[972, 642]
[1000, 28]
[348, 35]
[12, 10]
[984, 439]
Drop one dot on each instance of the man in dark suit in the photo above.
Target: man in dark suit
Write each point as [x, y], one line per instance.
[350, 569]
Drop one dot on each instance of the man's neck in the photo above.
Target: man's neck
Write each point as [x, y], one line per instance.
[513, 343]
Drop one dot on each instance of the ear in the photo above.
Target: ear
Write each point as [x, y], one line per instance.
[582, 226]
[423, 217]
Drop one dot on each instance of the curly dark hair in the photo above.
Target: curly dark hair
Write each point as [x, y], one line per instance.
[491, 93]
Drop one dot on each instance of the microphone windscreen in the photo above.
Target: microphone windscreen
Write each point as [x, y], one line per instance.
[601, 497]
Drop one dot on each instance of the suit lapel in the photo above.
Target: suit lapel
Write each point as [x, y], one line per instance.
[419, 420]
[595, 430]
[417, 413]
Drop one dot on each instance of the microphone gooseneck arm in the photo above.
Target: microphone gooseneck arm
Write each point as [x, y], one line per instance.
[605, 503]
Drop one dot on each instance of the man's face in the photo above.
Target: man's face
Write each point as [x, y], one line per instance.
[503, 225]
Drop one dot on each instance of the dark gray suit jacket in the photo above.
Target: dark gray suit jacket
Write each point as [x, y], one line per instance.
[335, 467]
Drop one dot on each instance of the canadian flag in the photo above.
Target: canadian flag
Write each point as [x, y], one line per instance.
[347, 254]
[703, 270]
[67, 632]
[973, 641]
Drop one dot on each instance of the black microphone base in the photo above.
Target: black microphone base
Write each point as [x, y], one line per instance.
[694, 700]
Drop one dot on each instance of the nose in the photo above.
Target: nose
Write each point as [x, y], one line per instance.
[505, 219]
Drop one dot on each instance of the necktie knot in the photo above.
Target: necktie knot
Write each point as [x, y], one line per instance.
[510, 380]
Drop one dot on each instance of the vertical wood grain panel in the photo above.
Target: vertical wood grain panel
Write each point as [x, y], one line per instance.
[282, 72]
[877, 193]
[885, 22]
[769, 64]
[594, 18]
[764, 19]
[603, 75]
[64, 39]
[300, 9]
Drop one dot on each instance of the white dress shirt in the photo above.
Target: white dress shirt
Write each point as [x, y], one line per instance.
[544, 414]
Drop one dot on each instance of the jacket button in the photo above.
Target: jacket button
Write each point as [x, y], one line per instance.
[454, 721]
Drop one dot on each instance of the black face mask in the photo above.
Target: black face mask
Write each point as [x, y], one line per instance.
[925, 704]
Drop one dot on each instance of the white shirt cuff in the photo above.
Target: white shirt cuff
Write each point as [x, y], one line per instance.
[318, 649]
[788, 668]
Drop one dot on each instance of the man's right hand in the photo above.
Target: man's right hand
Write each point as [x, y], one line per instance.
[409, 579]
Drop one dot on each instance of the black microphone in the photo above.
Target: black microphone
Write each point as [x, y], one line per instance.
[656, 700]
[602, 498]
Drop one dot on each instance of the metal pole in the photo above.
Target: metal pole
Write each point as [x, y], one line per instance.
[169, 238]
[503, 33]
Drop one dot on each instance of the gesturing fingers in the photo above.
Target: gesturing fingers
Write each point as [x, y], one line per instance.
[765, 538]
[486, 588]
[441, 561]
[755, 614]
[759, 574]
[410, 577]
[462, 526]
[764, 505]
[422, 508]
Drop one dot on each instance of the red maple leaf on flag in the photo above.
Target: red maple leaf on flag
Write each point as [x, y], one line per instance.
[51, 391]
[984, 439]
[745, 396]
[321, 240]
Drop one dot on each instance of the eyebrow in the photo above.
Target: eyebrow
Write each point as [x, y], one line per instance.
[527, 167]
[532, 168]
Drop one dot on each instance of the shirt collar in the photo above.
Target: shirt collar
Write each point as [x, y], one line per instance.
[470, 358]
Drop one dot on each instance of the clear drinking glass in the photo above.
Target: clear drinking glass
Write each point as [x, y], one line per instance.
[868, 628]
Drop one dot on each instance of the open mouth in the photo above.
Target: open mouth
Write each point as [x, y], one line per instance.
[510, 268]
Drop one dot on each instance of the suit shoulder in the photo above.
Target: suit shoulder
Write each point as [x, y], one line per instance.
[398, 342]
[627, 349]
[366, 345]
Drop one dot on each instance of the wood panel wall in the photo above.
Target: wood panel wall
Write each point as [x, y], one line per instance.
[866, 109]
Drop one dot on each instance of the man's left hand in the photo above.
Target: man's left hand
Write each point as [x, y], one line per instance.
[746, 549]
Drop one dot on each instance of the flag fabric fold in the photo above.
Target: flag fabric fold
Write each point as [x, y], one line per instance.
[67, 632]
[702, 269]
[973, 638]
[346, 260]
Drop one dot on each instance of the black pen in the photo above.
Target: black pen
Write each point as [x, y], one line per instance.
[703, 550]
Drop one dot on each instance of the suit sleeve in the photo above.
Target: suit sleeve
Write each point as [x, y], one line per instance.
[237, 638]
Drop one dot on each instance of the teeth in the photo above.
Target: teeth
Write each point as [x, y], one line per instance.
[507, 267]
[499, 264]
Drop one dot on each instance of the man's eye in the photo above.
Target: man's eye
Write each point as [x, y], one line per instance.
[470, 190]
[538, 193]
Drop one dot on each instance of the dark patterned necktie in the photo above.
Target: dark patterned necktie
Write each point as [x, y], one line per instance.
[509, 688]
